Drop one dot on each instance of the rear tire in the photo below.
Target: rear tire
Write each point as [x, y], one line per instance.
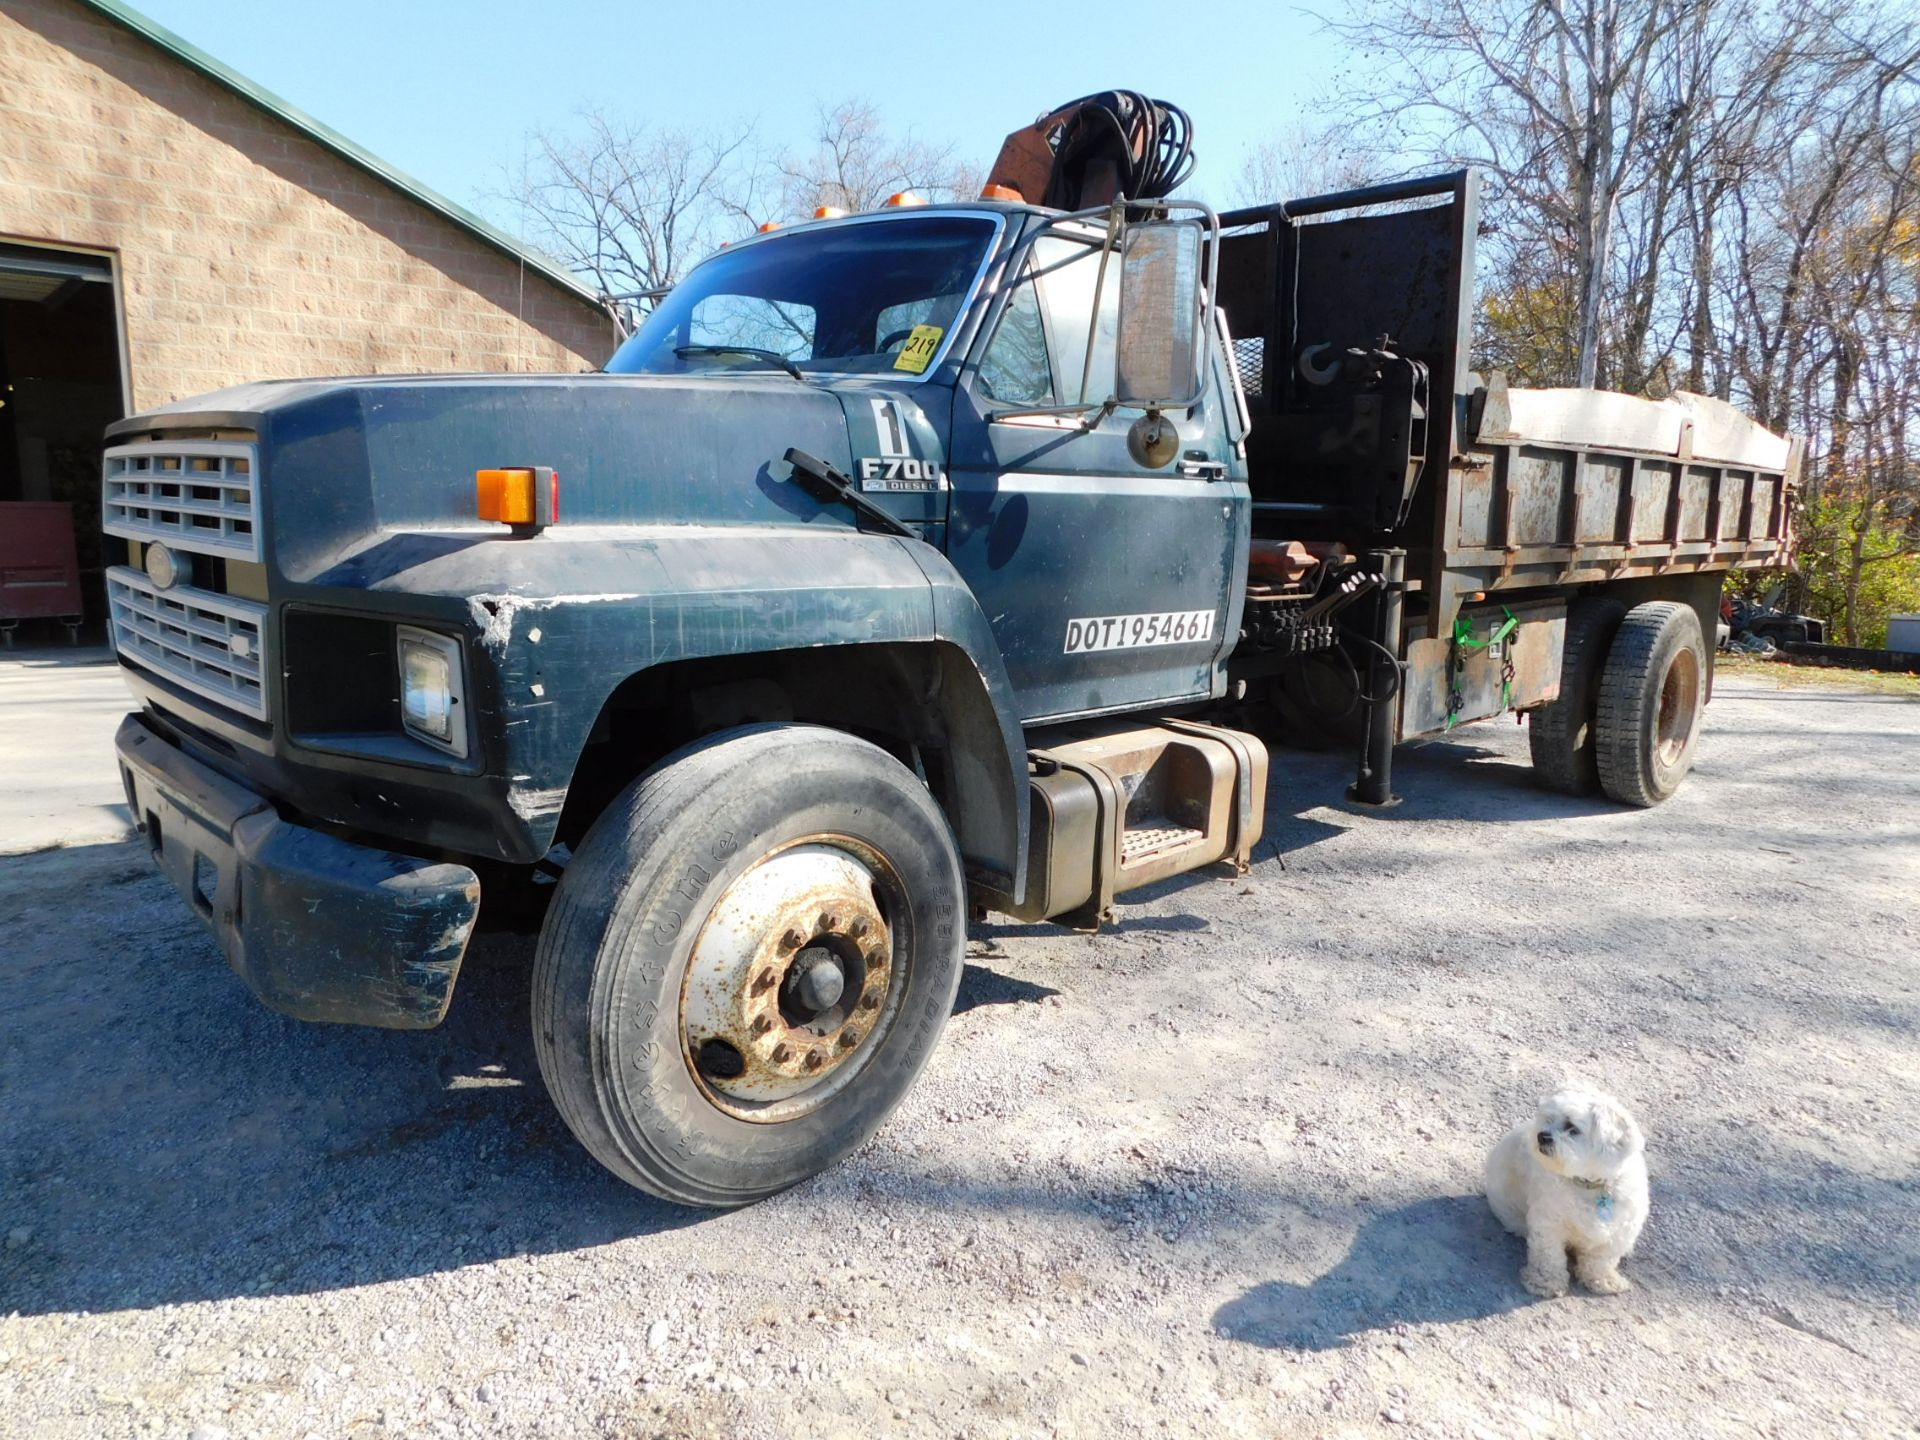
[747, 962]
[1560, 733]
[1652, 694]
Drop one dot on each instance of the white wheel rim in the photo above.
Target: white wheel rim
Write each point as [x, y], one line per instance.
[1677, 710]
[798, 924]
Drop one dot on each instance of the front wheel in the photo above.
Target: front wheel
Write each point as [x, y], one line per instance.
[747, 962]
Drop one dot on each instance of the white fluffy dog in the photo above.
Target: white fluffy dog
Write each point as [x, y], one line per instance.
[1574, 1183]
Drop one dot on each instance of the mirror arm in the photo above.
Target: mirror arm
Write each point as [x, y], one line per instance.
[1100, 410]
[1116, 217]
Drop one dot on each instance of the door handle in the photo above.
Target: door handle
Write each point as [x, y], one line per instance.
[1203, 469]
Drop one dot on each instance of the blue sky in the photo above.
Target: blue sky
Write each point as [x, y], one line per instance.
[448, 91]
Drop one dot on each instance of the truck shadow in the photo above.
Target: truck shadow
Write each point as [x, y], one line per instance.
[1455, 778]
[981, 986]
[168, 1140]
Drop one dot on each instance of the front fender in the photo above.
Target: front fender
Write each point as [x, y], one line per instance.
[565, 619]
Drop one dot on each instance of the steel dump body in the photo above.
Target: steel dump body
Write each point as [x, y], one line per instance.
[1499, 498]
[1566, 487]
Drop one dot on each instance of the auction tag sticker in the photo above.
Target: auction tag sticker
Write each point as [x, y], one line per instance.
[1136, 632]
[917, 353]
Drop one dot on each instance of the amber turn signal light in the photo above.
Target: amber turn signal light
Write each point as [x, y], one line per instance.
[527, 497]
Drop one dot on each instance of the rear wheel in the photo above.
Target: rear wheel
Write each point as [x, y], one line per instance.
[1560, 733]
[748, 962]
[1653, 691]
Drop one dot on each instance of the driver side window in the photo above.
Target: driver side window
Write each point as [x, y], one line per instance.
[1069, 274]
[1055, 297]
[1015, 366]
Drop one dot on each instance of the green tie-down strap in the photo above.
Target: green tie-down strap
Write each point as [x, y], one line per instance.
[1463, 641]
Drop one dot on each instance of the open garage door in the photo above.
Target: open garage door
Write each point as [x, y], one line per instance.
[60, 387]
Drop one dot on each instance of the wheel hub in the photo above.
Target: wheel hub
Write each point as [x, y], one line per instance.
[787, 981]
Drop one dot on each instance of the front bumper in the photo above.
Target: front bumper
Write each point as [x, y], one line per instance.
[319, 928]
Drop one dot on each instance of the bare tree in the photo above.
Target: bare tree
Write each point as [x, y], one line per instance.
[855, 164]
[1303, 160]
[1551, 97]
[627, 205]
[1864, 292]
[1718, 195]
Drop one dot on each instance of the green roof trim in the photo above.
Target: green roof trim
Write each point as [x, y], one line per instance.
[329, 138]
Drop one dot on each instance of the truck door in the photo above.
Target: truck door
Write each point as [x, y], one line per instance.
[1109, 585]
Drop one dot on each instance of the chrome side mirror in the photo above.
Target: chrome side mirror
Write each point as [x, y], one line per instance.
[1162, 315]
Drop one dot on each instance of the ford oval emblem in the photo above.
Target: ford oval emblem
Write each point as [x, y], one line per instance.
[163, 569]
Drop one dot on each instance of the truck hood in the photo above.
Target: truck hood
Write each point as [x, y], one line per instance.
[346, 465]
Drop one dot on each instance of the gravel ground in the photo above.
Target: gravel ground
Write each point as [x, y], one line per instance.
[60, 786]
[1213, 1172]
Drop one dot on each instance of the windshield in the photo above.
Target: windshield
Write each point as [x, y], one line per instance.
[876, 297]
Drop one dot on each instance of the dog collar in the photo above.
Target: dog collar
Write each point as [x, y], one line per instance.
[1602, 1196]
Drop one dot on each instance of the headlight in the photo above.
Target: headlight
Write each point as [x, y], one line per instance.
[430, 689]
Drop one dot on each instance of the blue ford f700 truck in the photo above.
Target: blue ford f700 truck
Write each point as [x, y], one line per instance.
[899, 568]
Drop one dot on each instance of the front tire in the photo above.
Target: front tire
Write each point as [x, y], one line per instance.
[1652, 695]
[747, 962]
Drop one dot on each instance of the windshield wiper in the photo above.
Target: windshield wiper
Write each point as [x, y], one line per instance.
[772, 357]
[827, 483]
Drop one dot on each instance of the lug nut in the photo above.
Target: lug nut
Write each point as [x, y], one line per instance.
[761, 1024]
[813, 1060]
[763, 982]
[870, 1001]
[792, 940]
[829, 920]
[857, 926]
[782, 1054]
[849, 1039]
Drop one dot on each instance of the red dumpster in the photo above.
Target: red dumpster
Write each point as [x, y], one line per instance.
[39, 572]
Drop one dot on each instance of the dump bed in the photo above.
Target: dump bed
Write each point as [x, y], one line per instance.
[1353, 317]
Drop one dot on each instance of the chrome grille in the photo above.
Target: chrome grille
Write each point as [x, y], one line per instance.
[213, 645]
[192, 494]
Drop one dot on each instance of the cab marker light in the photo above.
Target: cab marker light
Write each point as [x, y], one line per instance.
[1001, 192]
[905, 197]
[525, 497]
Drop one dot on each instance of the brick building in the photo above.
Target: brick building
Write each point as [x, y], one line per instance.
[167, 228]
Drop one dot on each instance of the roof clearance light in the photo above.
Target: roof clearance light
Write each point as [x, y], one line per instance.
[525, 497]
[905, 197]
[828, 212]
[769, 225]
[1002, 192]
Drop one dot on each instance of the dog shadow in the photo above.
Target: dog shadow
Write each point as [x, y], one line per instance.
[1434, 1261]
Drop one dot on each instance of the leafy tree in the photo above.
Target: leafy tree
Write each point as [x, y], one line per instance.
[1859, 565]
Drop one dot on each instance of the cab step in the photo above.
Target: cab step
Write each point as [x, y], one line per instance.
[1114, 809]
